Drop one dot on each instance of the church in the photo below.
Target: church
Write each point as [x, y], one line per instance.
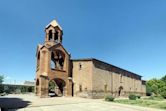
[59, 75]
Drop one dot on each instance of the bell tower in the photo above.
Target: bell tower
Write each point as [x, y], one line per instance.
[53, 64]
[53, 33]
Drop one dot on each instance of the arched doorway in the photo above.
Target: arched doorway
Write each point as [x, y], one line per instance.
[56, 87]
[120, 90]
[37, 86]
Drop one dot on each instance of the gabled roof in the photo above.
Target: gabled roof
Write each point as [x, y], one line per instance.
[54, 23]
[59, 44]
[49, 47]
[112, 66]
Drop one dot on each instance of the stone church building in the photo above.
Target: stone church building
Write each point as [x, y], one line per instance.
[59, 75]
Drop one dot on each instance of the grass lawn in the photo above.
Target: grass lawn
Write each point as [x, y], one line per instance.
[153, 103]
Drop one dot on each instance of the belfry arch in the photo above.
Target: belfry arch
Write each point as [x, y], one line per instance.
[57, 60]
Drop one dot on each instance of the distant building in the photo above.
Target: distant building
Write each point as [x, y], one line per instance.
[29, 83]
[88, 77]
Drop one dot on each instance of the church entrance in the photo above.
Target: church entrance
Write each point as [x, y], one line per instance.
[56, 87]
[120, 90]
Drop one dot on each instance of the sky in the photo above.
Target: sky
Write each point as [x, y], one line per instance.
[130, 34]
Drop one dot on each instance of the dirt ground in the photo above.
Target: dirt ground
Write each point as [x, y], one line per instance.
[30, 102]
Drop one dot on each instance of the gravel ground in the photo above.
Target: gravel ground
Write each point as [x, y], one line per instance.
[29, 102]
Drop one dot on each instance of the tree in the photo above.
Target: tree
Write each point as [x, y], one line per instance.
[52, 85]
[148, 90]
[163, 92]
[164, 78]
[1, 79]
[155, 86]
[1, 86]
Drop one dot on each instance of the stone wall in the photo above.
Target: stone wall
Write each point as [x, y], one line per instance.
[98, 79]
[111, 80]
[82, 78]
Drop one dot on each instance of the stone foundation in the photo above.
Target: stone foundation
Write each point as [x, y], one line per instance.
[102, 94]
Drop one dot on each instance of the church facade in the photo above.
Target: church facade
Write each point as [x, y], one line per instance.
[59, 75]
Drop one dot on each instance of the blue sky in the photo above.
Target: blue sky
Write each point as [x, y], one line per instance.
[130, 34]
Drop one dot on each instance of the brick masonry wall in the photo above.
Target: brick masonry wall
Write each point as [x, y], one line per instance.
[98, 80]
[82, 77]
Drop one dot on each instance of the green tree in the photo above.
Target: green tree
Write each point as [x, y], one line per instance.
[164, 78]
[1, 79]
[148, 90]
[1, 86]
[155, 86]
[163, 92]
[52, 85]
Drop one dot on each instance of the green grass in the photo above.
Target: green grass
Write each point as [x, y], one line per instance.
[161, 104]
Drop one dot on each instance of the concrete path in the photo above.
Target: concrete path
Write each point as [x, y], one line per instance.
[66, 104]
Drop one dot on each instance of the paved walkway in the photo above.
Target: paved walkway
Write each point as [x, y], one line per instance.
[33, 103]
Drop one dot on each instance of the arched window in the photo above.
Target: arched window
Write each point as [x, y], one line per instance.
[56, 36]
[50, 35]
[80, 66]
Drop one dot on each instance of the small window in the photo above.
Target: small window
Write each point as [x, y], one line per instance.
[80, 88]
[80, 66]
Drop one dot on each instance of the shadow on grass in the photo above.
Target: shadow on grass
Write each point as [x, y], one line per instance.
[12, 103]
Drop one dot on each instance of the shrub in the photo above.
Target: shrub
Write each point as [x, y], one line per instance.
[132, 97]
[159, 98]
[163, 94]
[24, 89]
[138, 96]
[109, 98]
[1, 88]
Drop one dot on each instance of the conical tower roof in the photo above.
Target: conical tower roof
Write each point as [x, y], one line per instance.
[54, 23]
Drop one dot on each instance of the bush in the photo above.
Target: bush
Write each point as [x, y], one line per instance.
[24, 89]
[163, 94]
[132, 97]
[1, 88]
[159, 98]
[109, 98]
[138, 96]
[148, 93]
